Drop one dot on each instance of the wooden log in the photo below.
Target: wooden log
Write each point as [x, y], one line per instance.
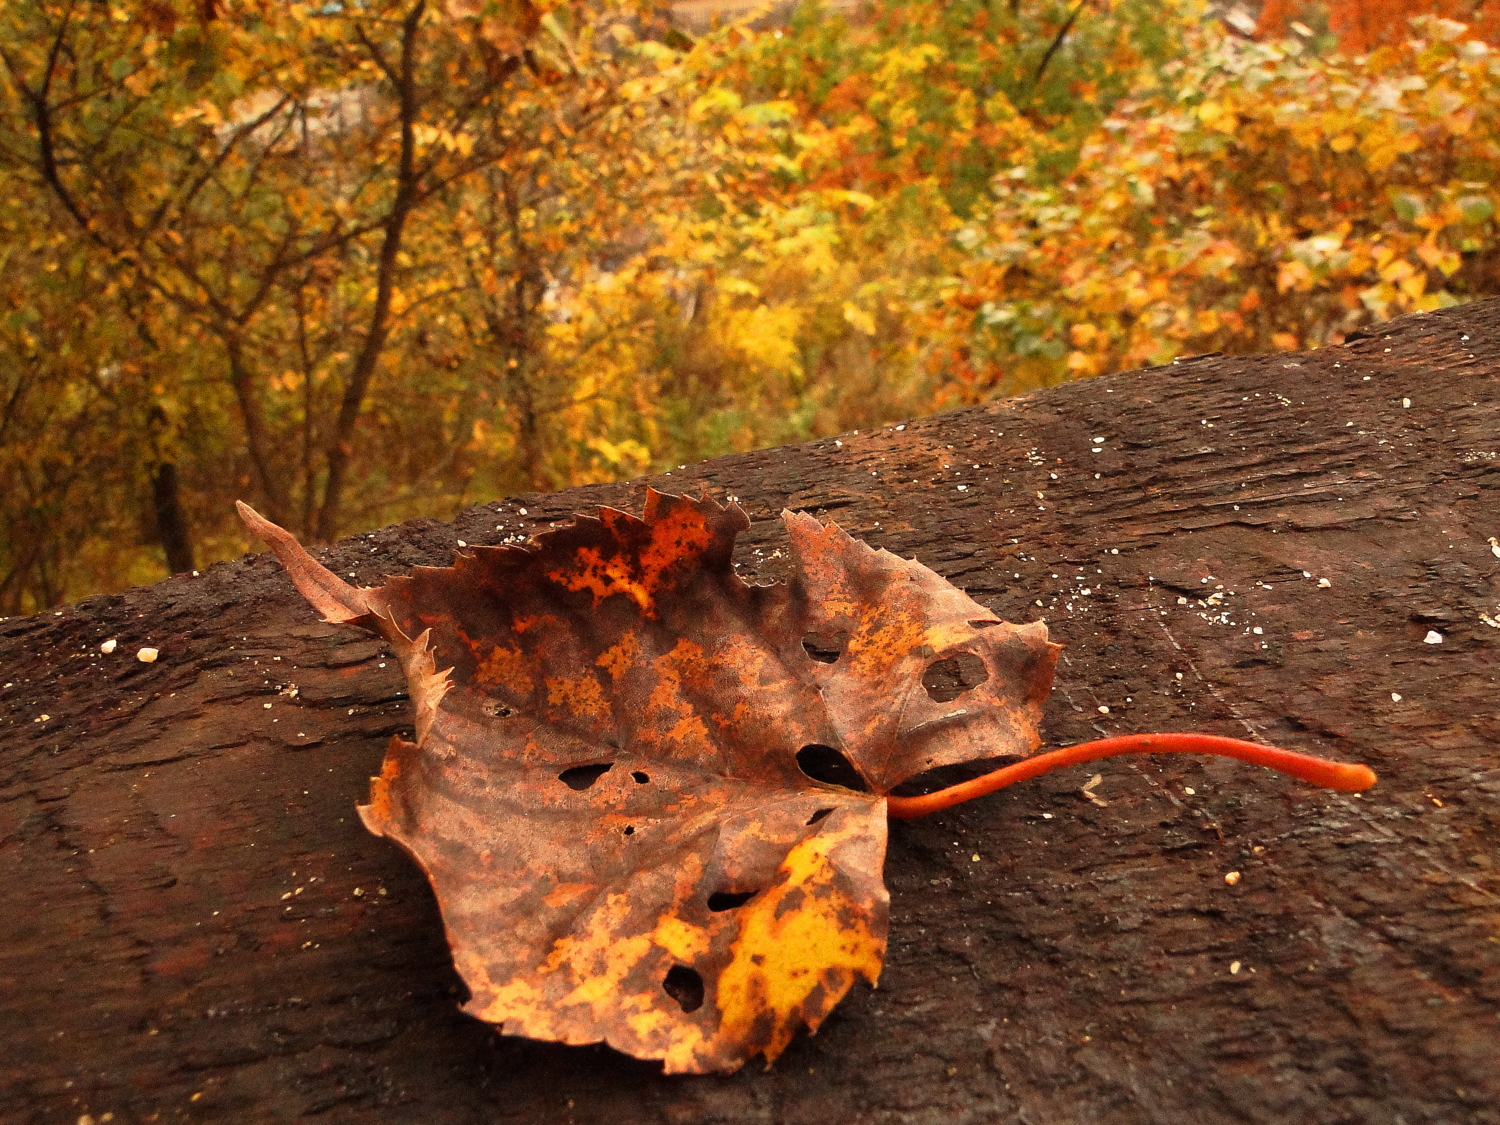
[1293, 548]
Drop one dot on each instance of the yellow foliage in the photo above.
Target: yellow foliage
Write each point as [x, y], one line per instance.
[859, 318]
[1260, 189]
[589, 250]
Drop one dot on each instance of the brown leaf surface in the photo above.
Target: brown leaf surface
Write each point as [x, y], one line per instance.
[605, 790]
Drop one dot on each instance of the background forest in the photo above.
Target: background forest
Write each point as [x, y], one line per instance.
[361, 260]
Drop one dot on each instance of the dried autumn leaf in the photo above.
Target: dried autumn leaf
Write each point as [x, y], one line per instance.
[610, 786]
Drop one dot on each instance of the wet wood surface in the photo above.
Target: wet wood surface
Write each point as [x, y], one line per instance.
[1293, 548]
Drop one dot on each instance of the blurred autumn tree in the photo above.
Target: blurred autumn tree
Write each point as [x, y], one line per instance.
[355, 263]
[871, 138]
[315, 244]
[1260, 198]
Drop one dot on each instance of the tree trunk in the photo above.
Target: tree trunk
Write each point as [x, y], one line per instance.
[258, 441]
[172, 529]
[340, 453]
[1295, 548]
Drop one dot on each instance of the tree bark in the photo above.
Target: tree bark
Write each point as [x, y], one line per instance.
[172, 529]
[526, 289]
[258, 441]
[1294, 548]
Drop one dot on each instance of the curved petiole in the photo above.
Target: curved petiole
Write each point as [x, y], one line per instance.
[1350, 777]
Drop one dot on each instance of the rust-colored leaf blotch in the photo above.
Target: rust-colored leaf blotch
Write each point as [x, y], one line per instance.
[651, 797]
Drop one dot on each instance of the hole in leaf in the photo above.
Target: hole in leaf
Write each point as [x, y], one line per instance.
[825, 648]
[728, 900]
[640, 778]
[581, 777]
[825, 764]
[819, 815]
[498, 710]
[685, 986]
[630, 830]
[946, 680]
[983, 624]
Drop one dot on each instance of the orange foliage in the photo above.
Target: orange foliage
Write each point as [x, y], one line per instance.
[1362, 25]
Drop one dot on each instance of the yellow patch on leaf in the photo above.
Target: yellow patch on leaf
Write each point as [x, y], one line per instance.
[804, 941]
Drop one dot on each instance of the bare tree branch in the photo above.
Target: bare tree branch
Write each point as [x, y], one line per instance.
[341, 448]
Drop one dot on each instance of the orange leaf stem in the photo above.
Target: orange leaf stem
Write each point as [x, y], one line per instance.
[1350, 777]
